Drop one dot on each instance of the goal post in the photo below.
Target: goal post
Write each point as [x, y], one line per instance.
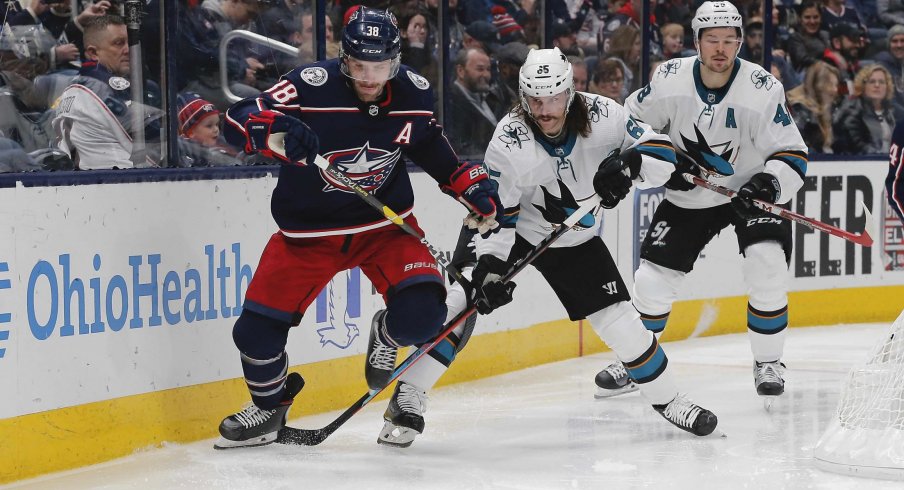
[866, 435]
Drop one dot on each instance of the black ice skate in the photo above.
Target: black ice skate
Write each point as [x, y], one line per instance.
[689, 416]
[768, 377]
[404, 416]
[254, 426]
[381, 358]
[614, 380]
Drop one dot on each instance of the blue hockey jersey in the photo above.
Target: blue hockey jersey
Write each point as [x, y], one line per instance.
[365, 140]
[894, 183]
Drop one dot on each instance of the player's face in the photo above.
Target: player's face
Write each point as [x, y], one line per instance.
[369, 77]
[549, 112]
[207, 131]
[718, 48]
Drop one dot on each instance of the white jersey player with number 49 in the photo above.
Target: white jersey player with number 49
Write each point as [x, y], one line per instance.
[729, 122]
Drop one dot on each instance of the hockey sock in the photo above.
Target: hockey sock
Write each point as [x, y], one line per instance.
[415, 314]
[261, 342]
[619, 327]
[766, 331]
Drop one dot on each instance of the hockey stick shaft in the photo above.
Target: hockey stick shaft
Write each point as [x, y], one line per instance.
[389, 214]
[864, 239]
[313, 437]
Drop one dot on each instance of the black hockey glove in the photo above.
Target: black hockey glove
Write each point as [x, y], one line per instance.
[762, 186]
[613, 178]
[489, 292]
[276, 135]
[684, 165]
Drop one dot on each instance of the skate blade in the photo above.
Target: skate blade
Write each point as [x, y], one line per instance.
[223, 443]
[395, 436]
[604, 393]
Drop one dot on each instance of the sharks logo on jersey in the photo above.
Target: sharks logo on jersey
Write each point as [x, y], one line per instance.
[556, 209]
[714, 158]
[368, 167]
[762, 79]
[669, 67]
[513, 134]
[596, 108]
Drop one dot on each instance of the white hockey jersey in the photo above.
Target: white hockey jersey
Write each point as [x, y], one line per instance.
[523, 166]
[746, 123]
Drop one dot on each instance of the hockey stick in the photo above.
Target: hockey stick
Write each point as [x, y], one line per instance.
[863, 239]
[390, 215]
[313, 437]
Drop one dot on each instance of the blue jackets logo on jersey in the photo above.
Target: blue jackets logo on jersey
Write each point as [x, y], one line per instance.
[368, 167]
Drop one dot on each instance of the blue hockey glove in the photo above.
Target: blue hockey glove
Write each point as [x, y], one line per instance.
[613, 178]
[762, 186]
[685, 165]
[276, 135]
[471, 185]
[489, 292]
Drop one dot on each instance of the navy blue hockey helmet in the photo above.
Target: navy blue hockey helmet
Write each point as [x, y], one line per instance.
[371, 35]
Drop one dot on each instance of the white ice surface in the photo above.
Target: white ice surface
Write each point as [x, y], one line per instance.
[541, 428]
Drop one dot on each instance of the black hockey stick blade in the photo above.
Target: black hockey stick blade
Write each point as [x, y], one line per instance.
[312, 437]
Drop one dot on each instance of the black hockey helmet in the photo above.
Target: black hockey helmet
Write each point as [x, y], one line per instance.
[371, 35]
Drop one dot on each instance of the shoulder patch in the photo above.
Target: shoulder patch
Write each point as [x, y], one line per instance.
[418, 81]
[669, 67]
[513, 134]
[762, 79]
[119, 83]
[314, 75]
[597, 108]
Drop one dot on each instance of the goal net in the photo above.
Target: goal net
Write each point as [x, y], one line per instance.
[866, 435]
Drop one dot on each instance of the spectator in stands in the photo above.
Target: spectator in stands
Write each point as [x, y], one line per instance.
[752, 49]
[456, 26]
[609, 79]
[625, 47]
[672, 40]
[475, 108]
[482, 35]
[303, 39]
[509, 60]
[835, 12]
[579, 73]
[509, 30]
[891, 12]
[197, 60]
[629, 15]
[417, 45]
[566, 40]
[811, 105]
[200, 144]
[807, 43]
[893, 61]
[845, 47]
[95, 119]
[864, 122]
[280, 20]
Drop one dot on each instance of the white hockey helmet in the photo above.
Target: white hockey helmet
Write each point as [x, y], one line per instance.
[545, 72]
[716, 14]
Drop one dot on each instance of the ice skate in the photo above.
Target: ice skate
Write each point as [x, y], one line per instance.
[689, 416]
[404, 416]
[614, 380]
[769, 380]
[253, 426]
[381, 358]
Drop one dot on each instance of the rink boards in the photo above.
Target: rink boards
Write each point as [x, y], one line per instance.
[117, 303]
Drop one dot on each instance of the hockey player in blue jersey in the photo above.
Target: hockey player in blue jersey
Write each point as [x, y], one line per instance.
[894, 183]
[362, 112]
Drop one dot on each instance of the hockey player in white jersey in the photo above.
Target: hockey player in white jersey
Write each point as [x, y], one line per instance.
[730, 118]
[545, 156]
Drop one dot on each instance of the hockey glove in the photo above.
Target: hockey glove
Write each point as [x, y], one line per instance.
[489, 292]
[276, 135]
[613, 178]
[471, 185]
[762, 186]
[685, 165]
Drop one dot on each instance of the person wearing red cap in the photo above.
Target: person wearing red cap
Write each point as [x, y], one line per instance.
[199, 120]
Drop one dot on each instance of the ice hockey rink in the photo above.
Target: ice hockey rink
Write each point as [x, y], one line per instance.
[542, 428]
